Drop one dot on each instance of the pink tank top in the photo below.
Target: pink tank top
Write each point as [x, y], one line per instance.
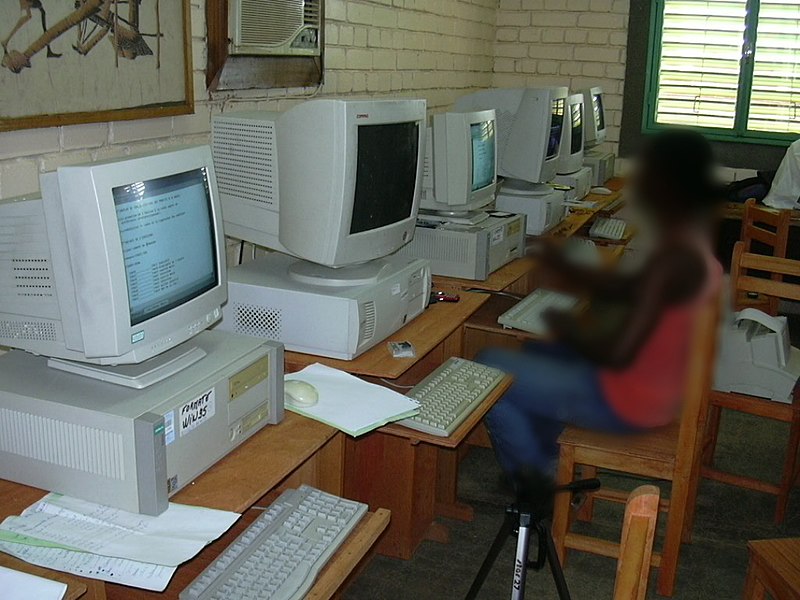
[648, 392]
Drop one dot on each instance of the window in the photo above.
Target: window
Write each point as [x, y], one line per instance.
[731, 67]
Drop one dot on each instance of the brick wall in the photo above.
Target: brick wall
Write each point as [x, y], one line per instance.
[433, 49]
[564, 42]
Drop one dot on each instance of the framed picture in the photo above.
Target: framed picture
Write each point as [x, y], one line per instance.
[83, 61]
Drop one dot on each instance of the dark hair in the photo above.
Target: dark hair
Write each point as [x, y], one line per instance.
[683, 162]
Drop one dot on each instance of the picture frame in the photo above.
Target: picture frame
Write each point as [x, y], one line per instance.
[65, 63]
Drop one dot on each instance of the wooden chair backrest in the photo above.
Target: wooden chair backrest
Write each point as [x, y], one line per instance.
[636, 543]
[755, 223]
[698, 384]
[743, 262]
[770, 227]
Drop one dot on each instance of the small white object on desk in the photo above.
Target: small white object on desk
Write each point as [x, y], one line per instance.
[16, 585]
[349, 403]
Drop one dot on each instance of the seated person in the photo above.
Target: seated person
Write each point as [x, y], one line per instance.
[627, 373]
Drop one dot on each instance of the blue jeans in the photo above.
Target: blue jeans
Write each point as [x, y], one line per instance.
[553, 387]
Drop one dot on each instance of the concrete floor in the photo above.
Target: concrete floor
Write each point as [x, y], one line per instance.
[712, 567]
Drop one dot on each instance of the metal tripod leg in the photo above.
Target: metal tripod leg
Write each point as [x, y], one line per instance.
[521, 558]
[505, 530]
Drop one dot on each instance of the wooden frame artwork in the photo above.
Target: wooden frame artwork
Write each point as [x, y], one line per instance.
[93, 60]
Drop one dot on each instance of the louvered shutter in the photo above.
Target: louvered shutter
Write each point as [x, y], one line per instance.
[775, 97]
[701, 49]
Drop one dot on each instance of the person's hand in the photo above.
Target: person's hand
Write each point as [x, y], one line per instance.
[547, 251]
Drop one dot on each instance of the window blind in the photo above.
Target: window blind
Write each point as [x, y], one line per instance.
[700, 54]
[775, 96]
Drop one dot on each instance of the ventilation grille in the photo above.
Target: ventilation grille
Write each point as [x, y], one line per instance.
[245, 161]
[63, 444]
[33, 277]
[367, 317]
[278, 23]
[505, 123]
[37, 331]
[432, 245]
[258, 321]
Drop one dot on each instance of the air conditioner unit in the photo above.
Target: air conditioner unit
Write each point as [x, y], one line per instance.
[275, 27]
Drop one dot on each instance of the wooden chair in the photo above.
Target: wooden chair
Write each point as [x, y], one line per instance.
[787, 413]
[670, 453]
[774, 569]
[636, 543]
[769, 227]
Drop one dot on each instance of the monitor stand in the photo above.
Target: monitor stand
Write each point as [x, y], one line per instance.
[313, 274]
[519, 187]
[137, 376]
[461, 218]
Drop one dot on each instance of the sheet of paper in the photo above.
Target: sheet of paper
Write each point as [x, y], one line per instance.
[24, 586]
[169, 539]
[349, 403]
[115, 570]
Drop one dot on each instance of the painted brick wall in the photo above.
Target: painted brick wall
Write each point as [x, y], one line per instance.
[434, 49]
[564, 42]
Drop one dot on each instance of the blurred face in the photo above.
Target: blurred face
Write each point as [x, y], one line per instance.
[650, 191]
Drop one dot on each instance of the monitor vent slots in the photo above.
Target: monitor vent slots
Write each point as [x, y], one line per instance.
[243, 156]
[60, 443]
[41, 331]
[32, 277]
[367, 316]
[259, 321]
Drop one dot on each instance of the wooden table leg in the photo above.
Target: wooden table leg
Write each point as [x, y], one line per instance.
[753, 587]
[447, 504]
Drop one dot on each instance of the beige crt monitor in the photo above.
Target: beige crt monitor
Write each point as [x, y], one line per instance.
[334, 182]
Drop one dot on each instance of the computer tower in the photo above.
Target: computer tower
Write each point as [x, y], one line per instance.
[133, 448]
[601, 164]
[267, 300]
[580, 181]
[542, 211]
[468, 251]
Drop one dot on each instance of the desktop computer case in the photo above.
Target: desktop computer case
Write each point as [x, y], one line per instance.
[541, 211]
[468, 251]
[601, 164]
[340, 322]
[131, 448]
[580, 181]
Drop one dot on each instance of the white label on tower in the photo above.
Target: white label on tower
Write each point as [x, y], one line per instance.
[196, 412]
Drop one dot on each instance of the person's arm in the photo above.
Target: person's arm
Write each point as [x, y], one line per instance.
[671, 277]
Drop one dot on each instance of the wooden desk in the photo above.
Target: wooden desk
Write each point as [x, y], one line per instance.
[577, 219]
[774, 569]
[296, 451]
[438, 328]
[512, 277]
[414, 475]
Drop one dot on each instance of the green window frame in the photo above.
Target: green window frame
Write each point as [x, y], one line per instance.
[720, 74]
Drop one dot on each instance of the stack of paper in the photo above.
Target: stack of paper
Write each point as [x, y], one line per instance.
[349, 403]
[24, 586]
[101, 542]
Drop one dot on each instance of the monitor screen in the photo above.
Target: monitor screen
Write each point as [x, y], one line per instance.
[576, 115]
[166, 227]
[599, 113]
[483, 161]
[386, 175]
[556, 125]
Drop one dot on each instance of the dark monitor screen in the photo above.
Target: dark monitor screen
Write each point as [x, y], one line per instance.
[483, 161]
[556, 125]
[166, 226]
[576, 116]
[386, 175]
[599, 113]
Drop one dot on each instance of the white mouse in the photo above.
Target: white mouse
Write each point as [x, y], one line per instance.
[299, 393]
[603, 191]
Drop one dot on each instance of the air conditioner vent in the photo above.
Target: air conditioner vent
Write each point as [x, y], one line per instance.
[276, 27]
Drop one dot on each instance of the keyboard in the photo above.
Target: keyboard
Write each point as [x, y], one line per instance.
[608, 229]
[280, 554]
[449, 395]
[526, 315]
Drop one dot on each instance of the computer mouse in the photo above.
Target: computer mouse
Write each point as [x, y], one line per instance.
[299, 393]
[602, 191]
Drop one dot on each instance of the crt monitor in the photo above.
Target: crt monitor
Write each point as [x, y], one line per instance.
[116, 263]
[572, 139]
[529, 124]
[334, 182]
[594, 109]
[460, 163]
